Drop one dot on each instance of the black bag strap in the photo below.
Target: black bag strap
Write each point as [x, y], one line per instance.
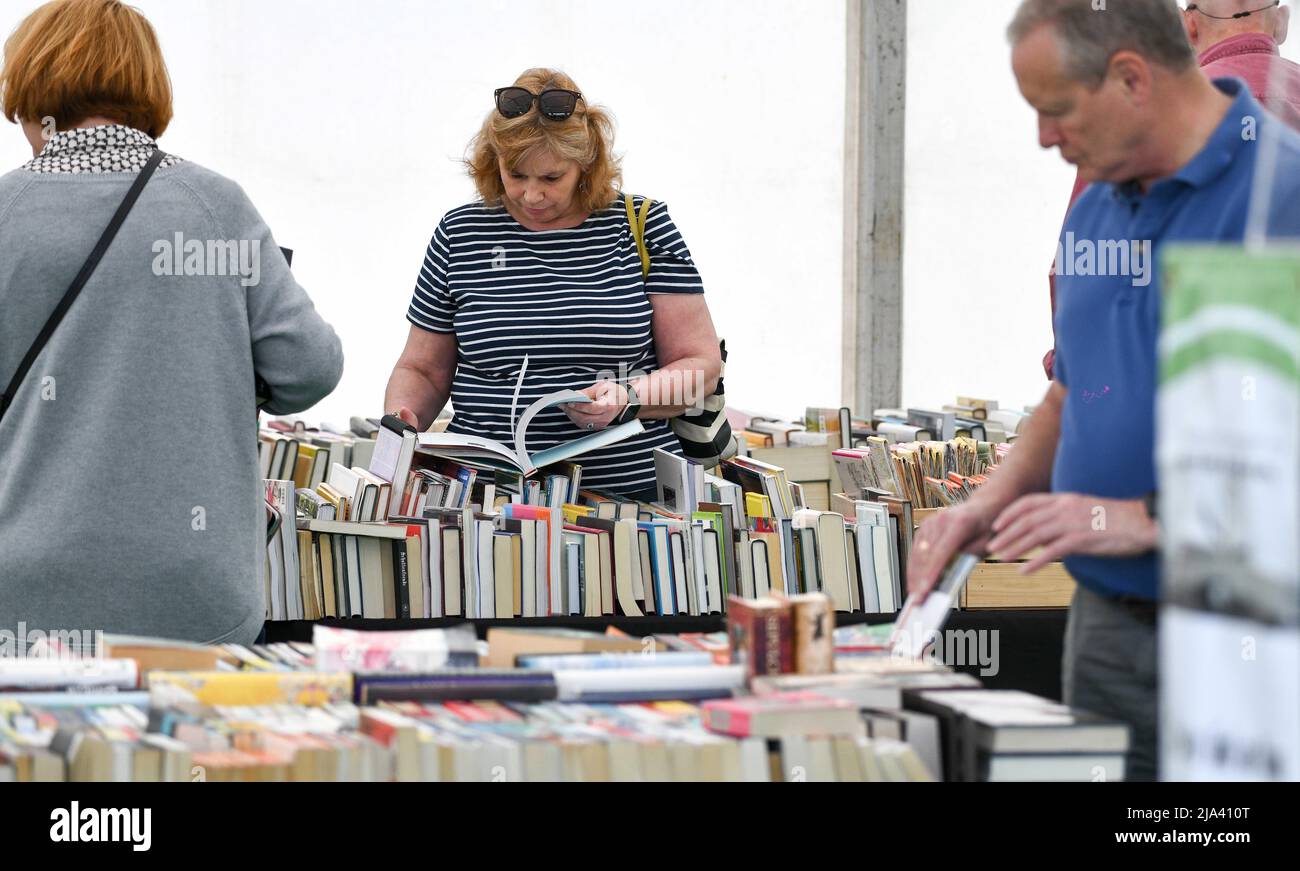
[87, 269]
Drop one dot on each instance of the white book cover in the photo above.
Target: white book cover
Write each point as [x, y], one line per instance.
[713, 571]
[760, 558]
[681, 571]
[347, 482]
[627, 568]
[862, 531]
[542, 563]
[432, 570]
[921, 621]
[695, 550]
[469, 561]
[486, 575]
[528, 567]
[573, 569]
[352, 557]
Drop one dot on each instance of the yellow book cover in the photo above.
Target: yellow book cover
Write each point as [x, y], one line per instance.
[676, 708]
[302, 470]
[757, 505]
[335, 498]
[257, 688]
[573, 512]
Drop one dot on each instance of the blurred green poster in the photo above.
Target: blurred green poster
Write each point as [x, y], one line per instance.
[1228, 453]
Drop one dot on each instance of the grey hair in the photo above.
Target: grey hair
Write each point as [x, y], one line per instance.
[1092, 31]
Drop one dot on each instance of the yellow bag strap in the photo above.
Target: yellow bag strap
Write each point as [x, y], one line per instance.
[637, 223]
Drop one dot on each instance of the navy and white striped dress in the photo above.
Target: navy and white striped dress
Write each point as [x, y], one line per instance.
[573, 301]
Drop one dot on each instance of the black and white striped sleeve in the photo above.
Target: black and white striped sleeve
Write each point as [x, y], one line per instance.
[432, 307]
[671, 268]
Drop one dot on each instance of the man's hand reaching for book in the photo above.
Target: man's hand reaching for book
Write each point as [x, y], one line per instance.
[1072, 524]
[607, 402]
[963, 528]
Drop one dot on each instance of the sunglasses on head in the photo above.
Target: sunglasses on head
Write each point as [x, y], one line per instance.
[554, 103]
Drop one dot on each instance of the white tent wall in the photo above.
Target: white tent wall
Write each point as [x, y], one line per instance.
[345, 123]
[982, 212]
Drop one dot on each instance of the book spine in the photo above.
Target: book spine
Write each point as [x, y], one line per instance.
[742, 635]
[401, 579]
[814, 624]
[778, 642]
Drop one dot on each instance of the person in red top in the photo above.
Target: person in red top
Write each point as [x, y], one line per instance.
[1237, 39]
[1233, 39]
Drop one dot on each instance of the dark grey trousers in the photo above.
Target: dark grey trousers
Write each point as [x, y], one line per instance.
[1109, 668]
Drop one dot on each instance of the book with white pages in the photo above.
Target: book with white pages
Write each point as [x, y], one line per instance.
[713, 570]
[681, 541]
[573, 565]
[728, 493]
[431, 571]
[745, 563]
[394, 447]
[785, 540]
[528, 562]
[628, 559]
[469, 562]
[489, 452]
[695, 552]
[485, 574]
[895, 563]
[874, 546]
[347, 482]
[679, 482]
[833, 556]
[920, 621]
[759, 560]
[504, 570]
[862, 532]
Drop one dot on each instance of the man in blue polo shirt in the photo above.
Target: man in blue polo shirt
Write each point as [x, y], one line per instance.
[1172, 157]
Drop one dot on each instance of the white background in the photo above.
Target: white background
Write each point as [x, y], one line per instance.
[345, 122]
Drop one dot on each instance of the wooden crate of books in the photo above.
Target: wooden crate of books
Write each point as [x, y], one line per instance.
[995, 585]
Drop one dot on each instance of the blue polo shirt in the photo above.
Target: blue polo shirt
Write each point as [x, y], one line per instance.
[1108, 310]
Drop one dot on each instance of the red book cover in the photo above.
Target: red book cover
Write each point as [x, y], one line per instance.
[378, 728]
[762, 635]
[468, 711]
[738, 716]
[544, 516]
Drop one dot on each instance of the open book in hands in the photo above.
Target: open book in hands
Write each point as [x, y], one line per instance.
[493, 453]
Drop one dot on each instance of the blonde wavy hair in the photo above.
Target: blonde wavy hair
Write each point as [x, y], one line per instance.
[586, 137]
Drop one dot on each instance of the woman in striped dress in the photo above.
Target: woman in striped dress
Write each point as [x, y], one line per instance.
[545, 266]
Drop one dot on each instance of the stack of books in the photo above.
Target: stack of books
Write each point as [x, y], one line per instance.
[931, 474]
[411, 706]
[1007, 735]
[837, 428]
[469, 741]
[535, 704]
[439, 525]
[572, 552]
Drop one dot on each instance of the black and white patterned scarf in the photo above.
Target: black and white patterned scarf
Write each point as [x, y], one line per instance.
[111, 148]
